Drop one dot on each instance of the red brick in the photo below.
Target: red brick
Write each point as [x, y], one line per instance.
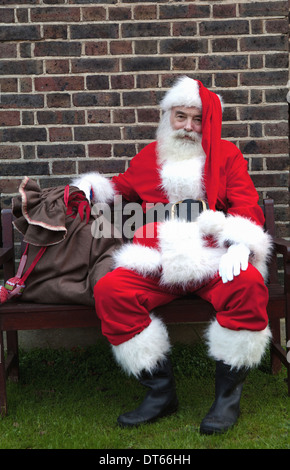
[97, 133]
[48, 14]
[8, 85]
[55, 31]
[121, 47]
[104, 166]
[61, 117]
[95, 65]
[63, 167]
[8, 50]
[93, 13]
[96, 48]
[124, 115]
[10, 151]
[60, 134]
[224, 11]
[57, 48]
[61, 151]
[99, 116]
[145, 12]
[119, 13]
[122, 81]
[59, 83]
[57, 66]
[147, 81]
[58, 100]
[25, 84]
[148, 115]
[265, 146]
[8, 185]
[9, 118]
[184, 63]
[100, 150]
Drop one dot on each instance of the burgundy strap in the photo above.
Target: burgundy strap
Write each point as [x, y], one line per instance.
[31, 267]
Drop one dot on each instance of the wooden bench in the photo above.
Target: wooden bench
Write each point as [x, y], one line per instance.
[16, 315]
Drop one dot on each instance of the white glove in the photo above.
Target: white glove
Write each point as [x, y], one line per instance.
[85, 186]
[96, 187]
[233, 261]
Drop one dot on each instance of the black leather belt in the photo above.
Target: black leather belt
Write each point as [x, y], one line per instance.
[188, 210]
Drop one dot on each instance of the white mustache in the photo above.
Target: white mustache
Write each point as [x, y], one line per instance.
[181, 133]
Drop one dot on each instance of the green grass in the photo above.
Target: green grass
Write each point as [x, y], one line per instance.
[71, 399]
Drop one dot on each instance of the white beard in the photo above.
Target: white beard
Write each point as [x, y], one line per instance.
[171, 144]
[182, 162]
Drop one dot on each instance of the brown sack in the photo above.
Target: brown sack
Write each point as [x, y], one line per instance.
[59, 218]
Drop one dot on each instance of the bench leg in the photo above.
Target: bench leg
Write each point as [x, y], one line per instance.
[288, 348]
[276, 339]
[12, 355]
[3, 396]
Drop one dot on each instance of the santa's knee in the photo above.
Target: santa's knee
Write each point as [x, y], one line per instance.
[250, 279]
[240, 335]
[244, 302]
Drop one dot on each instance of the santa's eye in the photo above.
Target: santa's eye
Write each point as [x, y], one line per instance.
[180, 116]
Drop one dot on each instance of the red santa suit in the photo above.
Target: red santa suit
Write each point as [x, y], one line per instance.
[168, 259]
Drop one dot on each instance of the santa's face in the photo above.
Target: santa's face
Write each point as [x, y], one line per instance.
[179, 134]
[187, 120]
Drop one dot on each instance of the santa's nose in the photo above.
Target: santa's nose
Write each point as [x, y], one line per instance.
[189, 125]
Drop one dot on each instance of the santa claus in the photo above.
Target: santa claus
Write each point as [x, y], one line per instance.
[221, 255]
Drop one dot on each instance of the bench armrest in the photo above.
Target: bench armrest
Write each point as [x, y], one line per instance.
[6, 254]
[7, 251]
[282, 246]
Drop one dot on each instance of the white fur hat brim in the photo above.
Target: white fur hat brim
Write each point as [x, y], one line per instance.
[185, 92]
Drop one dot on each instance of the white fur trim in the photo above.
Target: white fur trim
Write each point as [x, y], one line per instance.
[103, 189]
[184, 255]
[183, 179]
[142, 259]
[238, 229]
[237, 348]
[185, 92]
[145, 350]
[211, 222]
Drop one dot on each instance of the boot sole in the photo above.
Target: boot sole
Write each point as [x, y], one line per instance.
[204, 429]
[167, 412]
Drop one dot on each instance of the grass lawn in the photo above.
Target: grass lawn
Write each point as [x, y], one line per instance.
[71, 399]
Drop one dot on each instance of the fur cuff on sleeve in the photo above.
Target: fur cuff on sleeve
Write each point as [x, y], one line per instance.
[96, 187]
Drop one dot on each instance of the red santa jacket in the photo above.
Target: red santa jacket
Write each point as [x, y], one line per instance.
[237, 194]
[178, 251]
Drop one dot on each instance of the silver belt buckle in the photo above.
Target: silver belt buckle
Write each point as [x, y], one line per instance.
[188, 209]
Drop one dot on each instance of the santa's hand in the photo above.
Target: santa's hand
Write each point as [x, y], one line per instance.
[235, 260]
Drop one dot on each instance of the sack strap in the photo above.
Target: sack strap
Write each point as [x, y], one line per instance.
[31, 267]
[14, 287]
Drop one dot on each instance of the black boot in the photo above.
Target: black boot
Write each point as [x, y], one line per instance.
[161, 399]
[226, 408]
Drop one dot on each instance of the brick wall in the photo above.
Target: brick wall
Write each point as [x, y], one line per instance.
[81, 80]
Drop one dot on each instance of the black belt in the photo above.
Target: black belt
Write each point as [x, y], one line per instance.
[188, 210]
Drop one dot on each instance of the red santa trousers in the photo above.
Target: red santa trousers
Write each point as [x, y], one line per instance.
[124, 300]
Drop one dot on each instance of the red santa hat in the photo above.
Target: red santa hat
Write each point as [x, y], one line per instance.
[189, 92]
